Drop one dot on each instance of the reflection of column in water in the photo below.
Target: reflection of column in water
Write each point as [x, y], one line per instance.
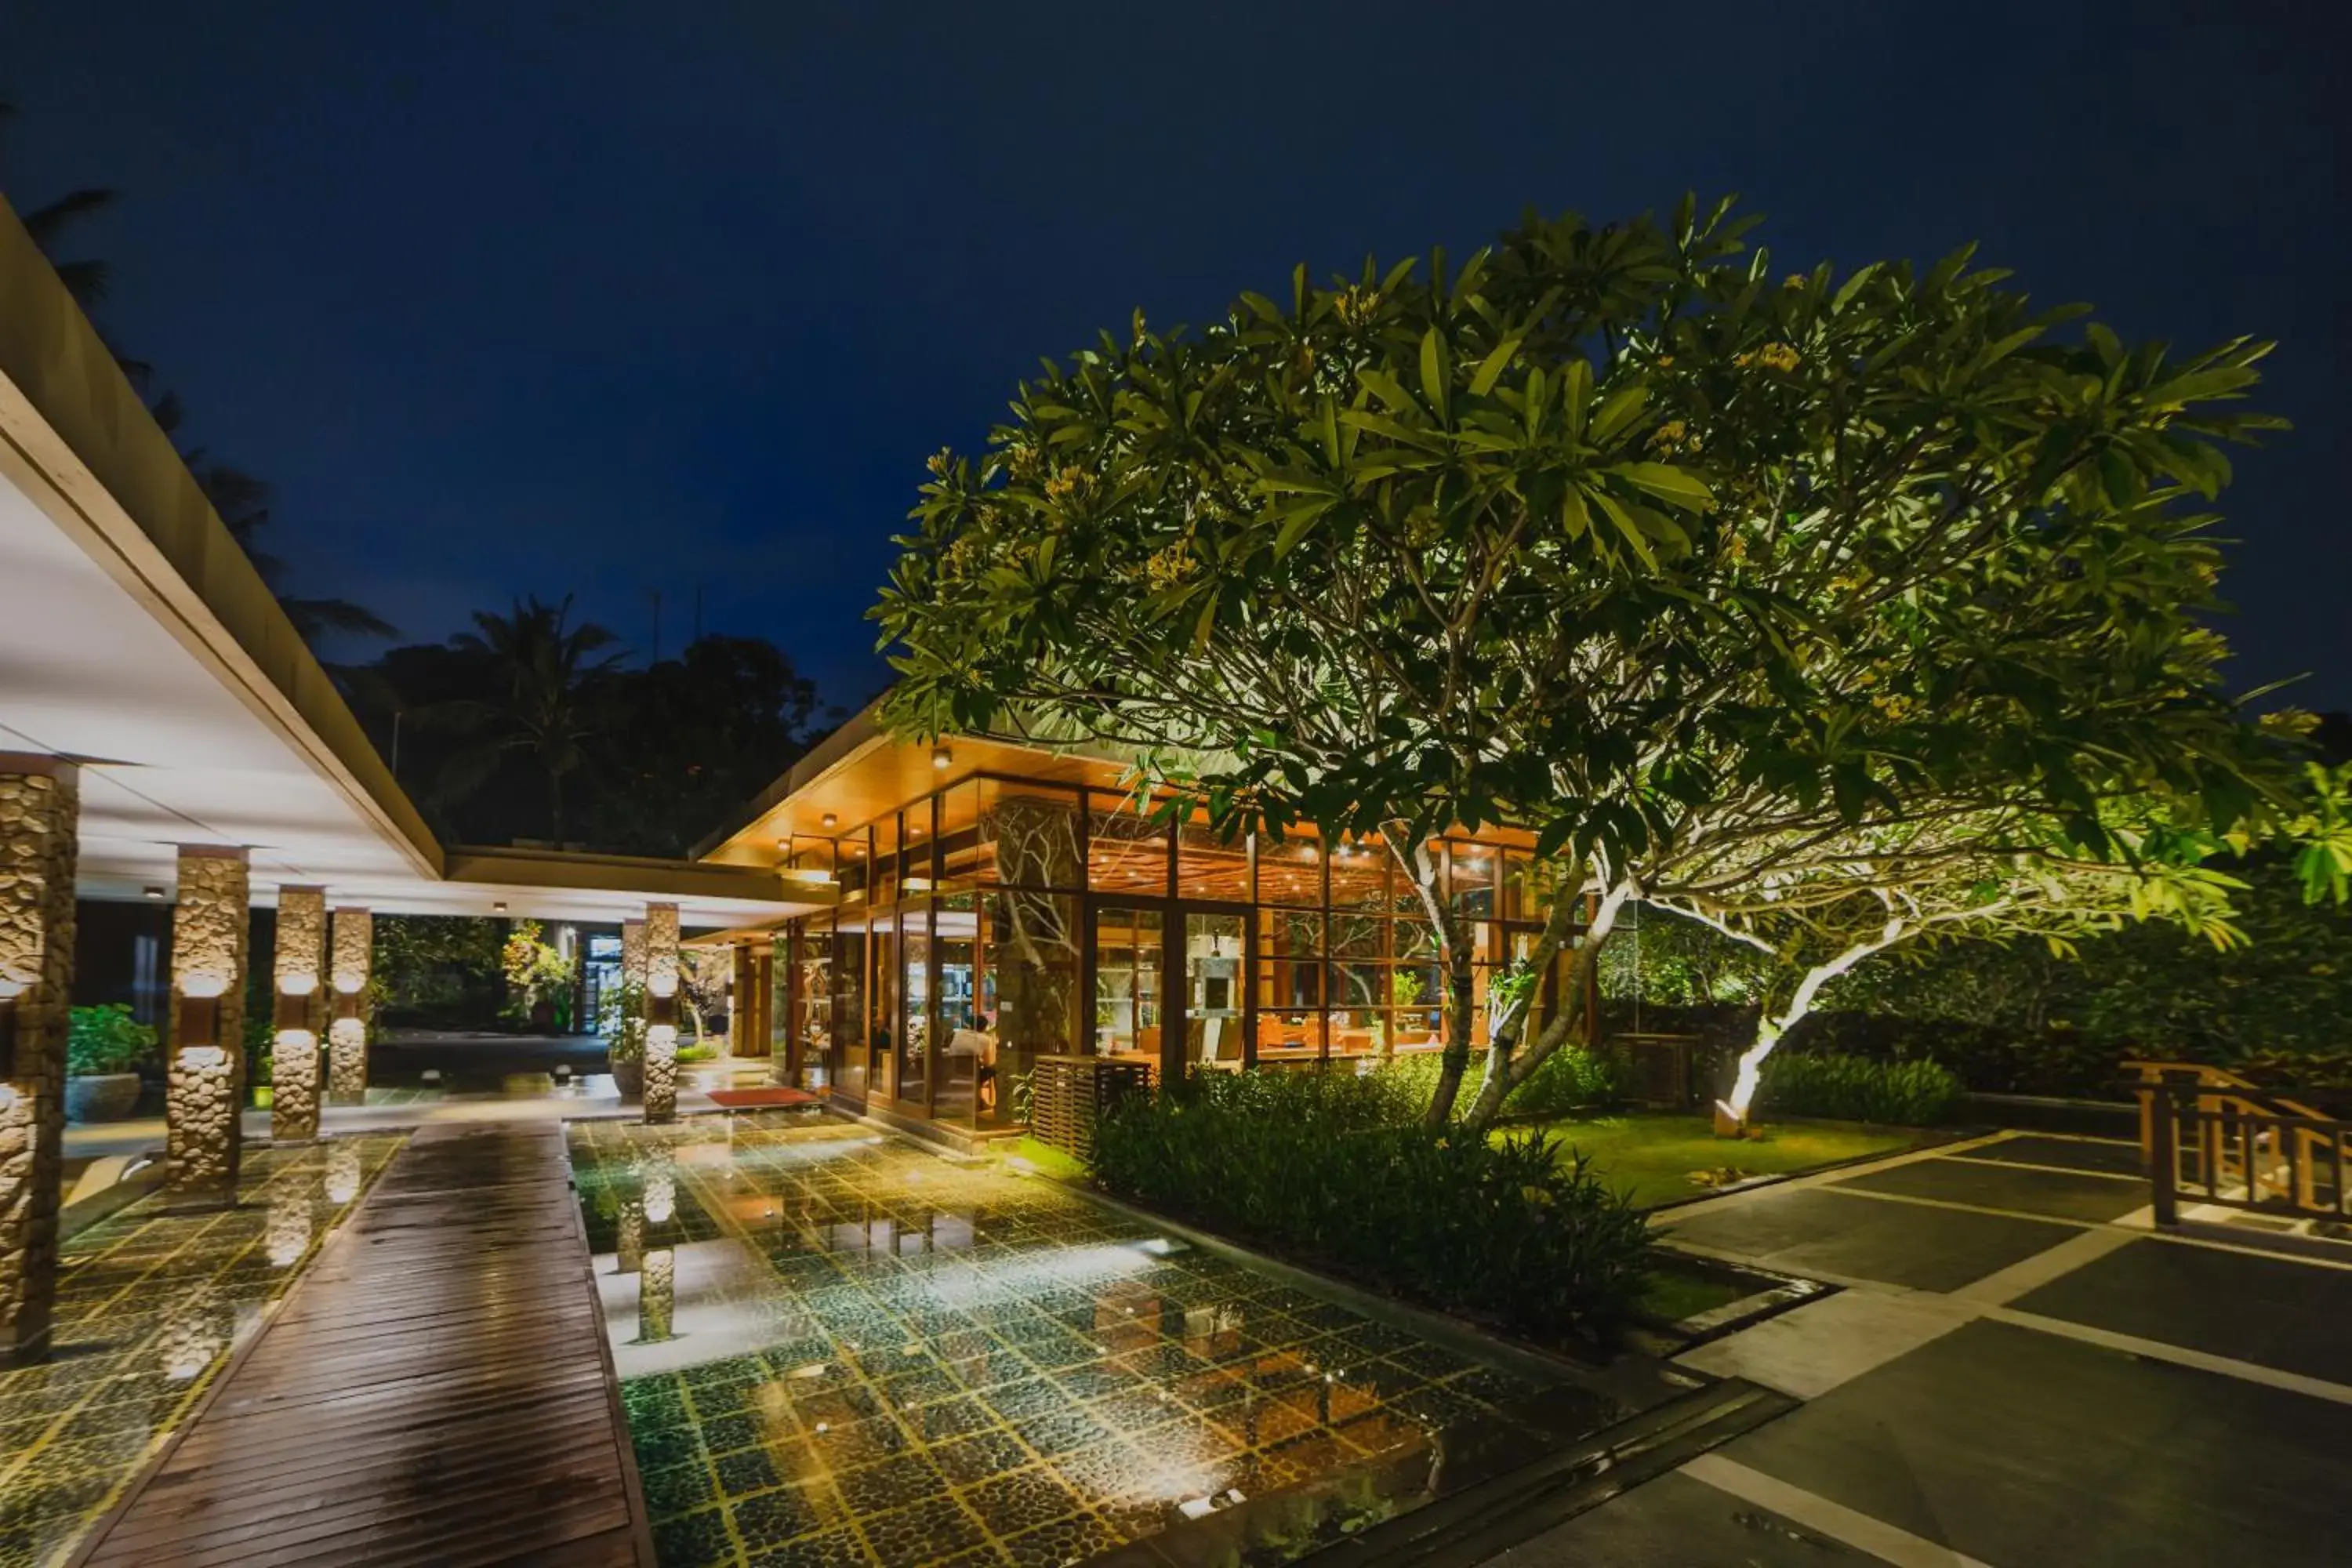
[188, 1342]
[630, 1250]
[656, 1294]
[343, 1172]
[288, 1234]
[661, 1186]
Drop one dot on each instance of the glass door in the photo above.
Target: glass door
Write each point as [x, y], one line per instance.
[1215, 972]
[1131, 953]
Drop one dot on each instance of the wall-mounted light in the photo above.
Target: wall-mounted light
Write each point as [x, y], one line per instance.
[940, 757]
[829, 820]
[153, 892]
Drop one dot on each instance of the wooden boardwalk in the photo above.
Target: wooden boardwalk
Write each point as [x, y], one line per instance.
[437, 1390]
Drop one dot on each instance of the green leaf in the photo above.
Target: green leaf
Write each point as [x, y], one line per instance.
[1297, 520]
[1667, 483]
[1619, 410]
[1432, 373]
[1491, 368]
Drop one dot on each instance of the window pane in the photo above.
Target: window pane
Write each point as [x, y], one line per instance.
[1471, 882]
[1290, 872]
[850, 1025]
[1127, 852]
[1288, 933]
[1029, 999]
[1029, 836]
[914, 1046]
[960, 836]
[812, 1000]
[1358, 936]
[1360, 876]
[1360, 986]
[1212, 867]
[1128, 952]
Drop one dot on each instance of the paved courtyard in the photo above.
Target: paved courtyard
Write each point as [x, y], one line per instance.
[2016, 1374]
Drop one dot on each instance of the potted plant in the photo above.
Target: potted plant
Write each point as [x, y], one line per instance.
[105, 1046]
[621, 1019]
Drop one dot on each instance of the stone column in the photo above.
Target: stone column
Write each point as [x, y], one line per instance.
[204, 1074]
[661, 1011]
[302, 1014]
[352, 958]
[656, 1295]
[41, 814]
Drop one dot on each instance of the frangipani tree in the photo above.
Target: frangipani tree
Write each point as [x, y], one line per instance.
[1987, 875]
[1613, 536]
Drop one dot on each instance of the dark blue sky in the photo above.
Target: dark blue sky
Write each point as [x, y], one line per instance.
[614, 297]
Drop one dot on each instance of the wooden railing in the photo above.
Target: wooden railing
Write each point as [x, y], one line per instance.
[2216, 1138]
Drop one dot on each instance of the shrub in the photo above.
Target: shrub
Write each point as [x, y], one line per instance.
[1336, 1168]
[691, 1054]
[1569, 1079]
[106, 1039]
[1916, 1093]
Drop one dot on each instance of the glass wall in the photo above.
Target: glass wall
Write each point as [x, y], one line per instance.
[1001, 920]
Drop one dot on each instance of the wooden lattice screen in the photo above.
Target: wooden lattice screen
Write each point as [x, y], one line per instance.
[1070, 1093]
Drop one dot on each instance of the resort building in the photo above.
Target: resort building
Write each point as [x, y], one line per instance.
[997, 906]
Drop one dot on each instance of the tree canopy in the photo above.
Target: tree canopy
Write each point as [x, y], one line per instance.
[1616, 534]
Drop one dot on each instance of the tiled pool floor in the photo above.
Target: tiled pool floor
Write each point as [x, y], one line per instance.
[150, 1303]
[875, 1356]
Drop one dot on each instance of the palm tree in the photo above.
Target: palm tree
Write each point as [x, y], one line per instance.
[544, 672]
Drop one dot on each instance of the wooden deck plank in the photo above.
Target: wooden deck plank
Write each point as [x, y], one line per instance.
[436, 1390]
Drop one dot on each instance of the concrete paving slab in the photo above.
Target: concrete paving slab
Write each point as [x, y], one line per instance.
[2020, 1448]
[2074, 1153]
[2012, 1188]
[1858, 1238]
[2273, 1311]
[1808, 1351]
[1676, 1523]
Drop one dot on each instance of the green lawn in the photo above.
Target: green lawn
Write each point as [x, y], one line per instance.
[1656, 1155]
[1047, 1158]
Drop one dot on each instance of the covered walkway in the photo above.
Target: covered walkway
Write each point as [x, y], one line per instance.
[437, 1390]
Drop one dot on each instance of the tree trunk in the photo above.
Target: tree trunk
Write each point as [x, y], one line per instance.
[1410, 848]
[1772, 1027]
[1508, 1066]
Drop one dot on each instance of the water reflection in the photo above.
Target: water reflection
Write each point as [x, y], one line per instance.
[935, 1358]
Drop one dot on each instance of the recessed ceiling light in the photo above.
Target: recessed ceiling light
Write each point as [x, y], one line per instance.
[829, 820]
[153, 892]
[499, 908]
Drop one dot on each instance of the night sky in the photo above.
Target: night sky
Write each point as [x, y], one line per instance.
[619, 298]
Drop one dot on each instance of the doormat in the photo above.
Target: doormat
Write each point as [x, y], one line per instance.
[760, 1098]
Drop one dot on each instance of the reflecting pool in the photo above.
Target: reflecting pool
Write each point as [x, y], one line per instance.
[838, 1348]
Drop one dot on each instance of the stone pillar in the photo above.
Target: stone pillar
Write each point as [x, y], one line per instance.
[656, 1295]
[661, 1011]
[349, 967]
[40, 816]
[302, 1014]
[204, 1073]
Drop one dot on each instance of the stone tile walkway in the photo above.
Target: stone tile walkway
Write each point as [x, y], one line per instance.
[151, 1303]
[2018, 1373]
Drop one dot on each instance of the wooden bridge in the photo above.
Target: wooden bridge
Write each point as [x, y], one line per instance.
[437, 1390]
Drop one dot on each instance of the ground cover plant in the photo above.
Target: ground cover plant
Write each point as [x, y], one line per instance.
[1654, 1158]
[1916, 1093]
[1340, 1171]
